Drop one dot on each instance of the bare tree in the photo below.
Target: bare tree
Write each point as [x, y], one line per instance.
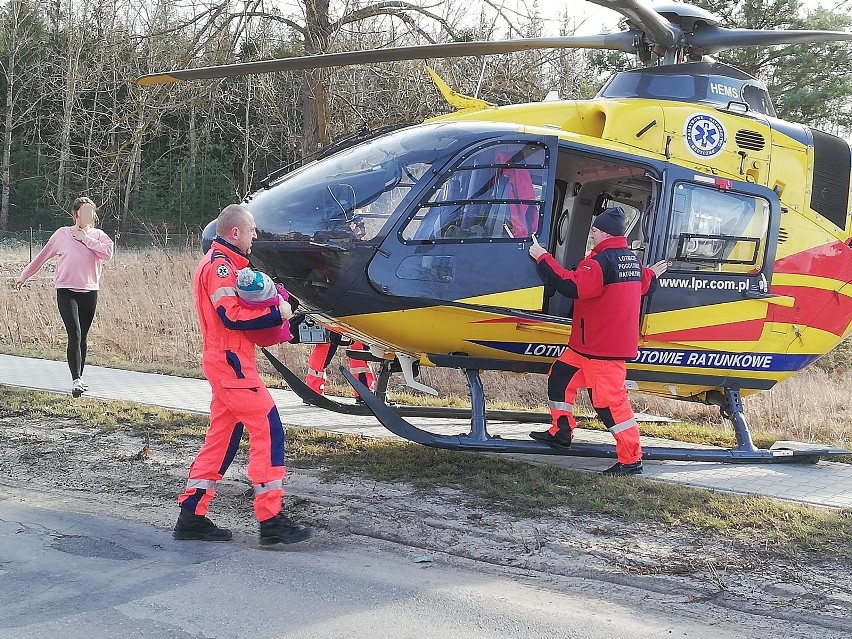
[71, 60]
[20, 29]
[318, 32]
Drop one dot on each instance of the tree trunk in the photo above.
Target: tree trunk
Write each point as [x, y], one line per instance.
[133, 169]
[247, 133]
[314, 99]
[67, 117]
[11, 42]
[193, 137]
[6, 166]
[90, 141]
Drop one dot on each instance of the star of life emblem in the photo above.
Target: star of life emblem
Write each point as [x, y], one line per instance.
[705, 136]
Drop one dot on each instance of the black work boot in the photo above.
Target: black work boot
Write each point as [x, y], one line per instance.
[280, 530]
[190, 526]
[562, 438]
[619, 470]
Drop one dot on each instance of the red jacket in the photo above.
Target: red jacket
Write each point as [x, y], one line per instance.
[608, 286]
[228, 355]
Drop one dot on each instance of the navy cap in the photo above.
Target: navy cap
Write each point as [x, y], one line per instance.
[612, 221]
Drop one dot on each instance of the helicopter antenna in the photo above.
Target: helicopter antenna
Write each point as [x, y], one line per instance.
[481, 79]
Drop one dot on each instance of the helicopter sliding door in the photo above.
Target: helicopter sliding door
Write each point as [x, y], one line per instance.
[466, 239]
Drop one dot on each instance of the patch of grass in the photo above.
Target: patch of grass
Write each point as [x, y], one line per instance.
[137, 419]
[526, 489]
[514, 487]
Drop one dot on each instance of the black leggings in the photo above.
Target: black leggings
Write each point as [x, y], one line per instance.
[77, 311]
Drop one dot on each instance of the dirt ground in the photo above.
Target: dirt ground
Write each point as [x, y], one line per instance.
[812, 594]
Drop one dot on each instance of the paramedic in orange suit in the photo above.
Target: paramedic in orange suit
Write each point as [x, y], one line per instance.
[608, 286]
[240, 400]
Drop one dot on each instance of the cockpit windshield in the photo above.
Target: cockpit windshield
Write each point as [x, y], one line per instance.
[351, 194]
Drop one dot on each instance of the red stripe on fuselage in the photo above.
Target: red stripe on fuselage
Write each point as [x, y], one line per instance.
[829, 260]
[747, 331]
[826, 310]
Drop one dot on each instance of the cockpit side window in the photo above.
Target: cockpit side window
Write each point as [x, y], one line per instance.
[717, 230]
[494, 193]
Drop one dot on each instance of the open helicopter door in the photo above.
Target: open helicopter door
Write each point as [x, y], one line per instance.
[711, 306]
[465, 241]
[587, 183]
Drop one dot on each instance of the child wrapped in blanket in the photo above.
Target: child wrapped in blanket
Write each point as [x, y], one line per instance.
[257, 290]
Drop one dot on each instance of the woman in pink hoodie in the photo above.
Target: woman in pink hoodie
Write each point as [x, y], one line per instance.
[82, 250]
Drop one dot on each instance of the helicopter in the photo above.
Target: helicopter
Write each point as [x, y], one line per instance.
[416, 241]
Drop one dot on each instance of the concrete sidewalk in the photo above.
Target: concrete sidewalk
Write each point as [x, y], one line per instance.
[823, 484]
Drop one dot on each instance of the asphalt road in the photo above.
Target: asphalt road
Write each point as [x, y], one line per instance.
[69, 573]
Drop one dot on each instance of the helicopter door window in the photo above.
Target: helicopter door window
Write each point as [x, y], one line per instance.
[494, 194]
[717, 230]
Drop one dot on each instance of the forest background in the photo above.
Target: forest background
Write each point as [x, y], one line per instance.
[164, 160]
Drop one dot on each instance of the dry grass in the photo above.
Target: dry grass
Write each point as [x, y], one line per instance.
[146, 320]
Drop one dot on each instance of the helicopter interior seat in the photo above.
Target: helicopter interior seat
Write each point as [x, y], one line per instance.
[521, 220]
[635, 233]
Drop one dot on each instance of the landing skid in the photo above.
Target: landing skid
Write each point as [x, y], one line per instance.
[478, 439]
[307, 395]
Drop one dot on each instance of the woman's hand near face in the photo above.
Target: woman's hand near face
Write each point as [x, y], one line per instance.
[78, 233]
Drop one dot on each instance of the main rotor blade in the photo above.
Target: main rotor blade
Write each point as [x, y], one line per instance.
[624, 41]
[711, 39]
[657, 29]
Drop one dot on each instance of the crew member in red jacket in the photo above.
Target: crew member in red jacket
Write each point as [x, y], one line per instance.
[608, 286]
[240, 400]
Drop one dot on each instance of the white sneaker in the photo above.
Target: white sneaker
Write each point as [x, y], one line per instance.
[78, 388]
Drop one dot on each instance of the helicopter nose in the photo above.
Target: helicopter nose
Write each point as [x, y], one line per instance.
[207, 236]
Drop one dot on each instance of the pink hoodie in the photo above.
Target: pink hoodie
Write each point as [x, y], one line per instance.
[80, 261]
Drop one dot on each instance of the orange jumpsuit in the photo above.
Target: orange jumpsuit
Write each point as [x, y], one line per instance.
[320, 358]
[240, 400]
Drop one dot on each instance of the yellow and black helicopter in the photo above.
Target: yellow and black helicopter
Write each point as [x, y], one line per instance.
[416, 241]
